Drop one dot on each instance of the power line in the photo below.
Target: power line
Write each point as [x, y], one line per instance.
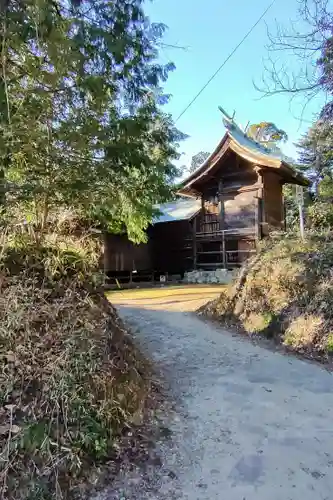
[226, 60]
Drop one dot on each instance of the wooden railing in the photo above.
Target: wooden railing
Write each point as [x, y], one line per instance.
[236, 231]
[211, 249]
[232, 258]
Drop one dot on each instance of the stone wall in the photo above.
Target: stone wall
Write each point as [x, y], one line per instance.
[222, 276]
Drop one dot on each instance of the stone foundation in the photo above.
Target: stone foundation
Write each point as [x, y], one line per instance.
[221, 276]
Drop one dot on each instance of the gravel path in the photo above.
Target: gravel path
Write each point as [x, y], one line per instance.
[249, 423]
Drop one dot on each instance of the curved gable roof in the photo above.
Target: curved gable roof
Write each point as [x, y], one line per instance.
[238, 142]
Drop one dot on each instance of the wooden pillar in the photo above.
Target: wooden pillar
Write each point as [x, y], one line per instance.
[284, 214]
[106, 257]
[194, 233]
[222, 224]
[260, 208]
[224, 254]
[202, 215]
[257, 227]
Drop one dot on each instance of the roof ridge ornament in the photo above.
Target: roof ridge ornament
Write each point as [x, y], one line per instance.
[228, 121]
[232, 126]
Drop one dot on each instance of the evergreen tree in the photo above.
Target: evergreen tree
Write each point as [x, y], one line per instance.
[315, 153]
[198, 160]
[80, 120]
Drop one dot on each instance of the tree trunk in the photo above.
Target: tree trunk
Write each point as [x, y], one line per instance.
[318, 174]
[4, 4]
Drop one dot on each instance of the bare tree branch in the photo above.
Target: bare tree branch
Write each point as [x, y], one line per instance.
[310, 47]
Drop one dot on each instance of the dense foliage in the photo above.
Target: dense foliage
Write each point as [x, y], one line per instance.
[83, 143]
[81, 124]
[315, 153]
[316, 162]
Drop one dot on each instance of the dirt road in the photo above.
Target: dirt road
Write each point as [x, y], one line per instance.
[251, 424]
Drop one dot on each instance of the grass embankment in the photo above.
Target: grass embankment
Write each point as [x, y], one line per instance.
[286, 292]
[71, 380]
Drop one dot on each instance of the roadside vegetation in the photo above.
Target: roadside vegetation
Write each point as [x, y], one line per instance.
[285, 293]
[72, 382]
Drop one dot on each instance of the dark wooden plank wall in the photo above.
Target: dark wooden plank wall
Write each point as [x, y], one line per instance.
[172, 247]
[238, 196]
[169, 250]
[230, 202]
[273, 201]
[120, 254]
[239, 209]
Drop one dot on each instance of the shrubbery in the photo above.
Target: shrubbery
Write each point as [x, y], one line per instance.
[285, 292]
[320, 215]
[71, 379]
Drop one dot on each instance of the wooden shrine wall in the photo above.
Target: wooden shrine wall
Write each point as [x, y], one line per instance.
[273, 201]
[172, 247]
[120, 254]
[239, 196]
[240, 209]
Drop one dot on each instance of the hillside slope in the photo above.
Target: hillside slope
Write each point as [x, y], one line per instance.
[285, 292]
[72, 381]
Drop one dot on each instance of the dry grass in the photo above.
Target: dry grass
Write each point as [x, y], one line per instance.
[71, 380]
[257, 322]
[302, 332]
[287, 293]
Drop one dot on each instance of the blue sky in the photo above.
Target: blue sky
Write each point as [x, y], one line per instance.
[210, 30]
